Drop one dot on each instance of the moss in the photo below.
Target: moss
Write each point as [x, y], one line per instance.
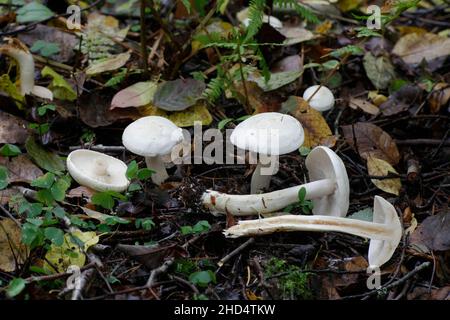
[292, 281]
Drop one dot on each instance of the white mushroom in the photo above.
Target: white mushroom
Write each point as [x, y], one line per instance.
[268, 134]
[152, 137]
[322, 100]
[384, 232]
[329, 189]
[97, 170]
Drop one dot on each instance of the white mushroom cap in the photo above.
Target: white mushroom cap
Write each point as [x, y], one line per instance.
[323, 100]
[273, 21]
[323, 163]
[97, 170]
[380, 251]
[151, 136]
[259, 134]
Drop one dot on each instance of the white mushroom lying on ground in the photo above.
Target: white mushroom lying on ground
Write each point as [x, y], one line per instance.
[384, 232]
[267, 134]
[153, 137]
[97, 170]
[329, 189]
[322, 100]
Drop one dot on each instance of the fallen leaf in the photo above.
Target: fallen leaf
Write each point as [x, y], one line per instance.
[401, 100]
[317, 131]
[33, 12]
[433, 232]
[45, 159]
[152, 257]
[107, 26]
[379, 167]
[21, 169]
[65, 40]
[295, 35]
[277, 80]
[376, 98]
[12, 129]
[59, 86]
[439, 97]
[178, 95]
[220, 27]
[81, 192]
[12, 252]
[70, 253]
[137, 95]
[379, 70]
[348, 5]
[185, 118]
[364, 105]
[289, 63]
[108, 64]
[414, 48]
[364, 214]
[6, 194]
[370, 140]
[11, 90]
[259, 100]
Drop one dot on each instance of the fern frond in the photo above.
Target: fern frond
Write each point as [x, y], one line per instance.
[214, 89]
[301, 10]
[255, 16]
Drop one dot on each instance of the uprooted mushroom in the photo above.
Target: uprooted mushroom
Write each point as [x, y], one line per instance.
[329, 190]
[384, 232]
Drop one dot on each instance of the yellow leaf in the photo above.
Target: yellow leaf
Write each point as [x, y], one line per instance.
[378, 167]
[224, 28]
[12, 250]
[7, 86]
[70, 253]
[324, 27]
[348, 5]
[317, 131]
[185, 118]
[377, 98]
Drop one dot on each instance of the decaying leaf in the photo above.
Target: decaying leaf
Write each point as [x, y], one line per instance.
[439, 97]
[137, 95]
[45, 159]
[433, 232]
[379, 167]
[12, 251]
[364, 105]
[317, 131]
[71, 252]
[179, 94]
[414, 48]
[12, 129]
[10, 89]
[259, 100]
[185, 118]
[379, 70]
[21, 169]
[401, 100]
[289, 63]
[108, 64]
[370, 140]
[295, 35]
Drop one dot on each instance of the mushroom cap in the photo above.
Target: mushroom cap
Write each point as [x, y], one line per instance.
[258, 134]
[82, 166]
[323, 100]
[151, 136]
[323, 163]
[380, 251]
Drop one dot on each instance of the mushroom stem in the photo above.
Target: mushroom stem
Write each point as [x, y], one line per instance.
[101, 167]
[26, 66]
[244, 205]
[318, 223]
[157, 164]
[260, 181]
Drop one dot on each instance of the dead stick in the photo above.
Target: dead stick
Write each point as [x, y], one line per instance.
[235, 252]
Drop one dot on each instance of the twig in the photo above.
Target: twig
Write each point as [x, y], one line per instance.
[100, 148]
[235, 252]
[158, 271]
[144, 51]
[10, 216]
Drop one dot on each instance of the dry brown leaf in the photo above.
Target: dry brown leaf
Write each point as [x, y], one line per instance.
[259, 100]
[364, 105]
[413, 48]
[21, 169]
[6, 194]
[401, 100]
[369, 139]
[378, 167]
[12, 251]
[12, 129]
[439, 97]
[317, 131]
[433, 232]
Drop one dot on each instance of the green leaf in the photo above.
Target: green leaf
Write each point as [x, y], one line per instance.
[132, 170]
[304, 151]
[59, 212]
[45, 48]
[179, 94]
[45, 196]
[201, 226]
[223, 123]
[15, 287]
[45, 181]
[7, 86]
[10, 150]
[202, 278]
[278, 80]
[3, 177]
[301, 194]
[45, 159]
[187, 5]
[43, 109]
[186, 230]
[144, 174]
[103, 199]
[364, 215]
[60, 187]
[33, 12]
[134, 187]
[146, 224]
[59, 86]
[32, 235]
[55, 235]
